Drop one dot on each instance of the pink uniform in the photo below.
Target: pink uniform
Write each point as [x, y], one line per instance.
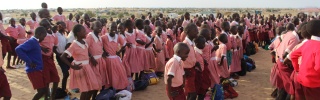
[170, 43]
[104, 30]
[188, 65]
[70, 24]
[116, 70]
[32, 26]
[95, 48]
[235, 64]
[85, 79]
[58, 17]
[88, 30]
[212, 61]
[21, 34]
[223, 69]
[130, 58]
[185, 23]
[149, 56]
[141, 52]
[160, 58]
[49, 41]
[12, 31]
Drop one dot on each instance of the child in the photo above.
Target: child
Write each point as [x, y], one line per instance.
[4, 87]
[59, 16]
[105, 27]
[309, 85]
[171, 39]
[174, 74]
[159, 47]
[235, 64]
[149, 56]
[21, 31]
[116, 71]
[277, 40]
[121, 33]
[49, 69]
[221, 57]
[69, 23]
[141, 41]
[202, 75]
[130, 56]
[81, 74]
[44, 5]
[191, 31]
[225, 31]
[186, 20]
[86, 23]
[12, 32]
[30, 52]
[31, 23]
[77, 20]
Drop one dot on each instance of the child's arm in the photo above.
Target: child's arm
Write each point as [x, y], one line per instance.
[93, 61]
[55, 50]
[66, 61]
[221, 61]
[214, 48]
[169, 83]
[155, 48]
[148, 44]
[141, 42]
[123, 48]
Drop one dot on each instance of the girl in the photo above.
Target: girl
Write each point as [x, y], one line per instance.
[86, 22]
[82, 75]
[69, 23]
[21, 35]
[158, 47]
[221, 57]
[12, 32]
[121, 33]
[150, 55]
[170, 42]
[178, 30]
[104, 23]
[130, 57]
[59, 16]
[31, 23]
[140, 40]
[235, 65]
[116, 71]
[186, 19]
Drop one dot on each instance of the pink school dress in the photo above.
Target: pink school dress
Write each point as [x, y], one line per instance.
[150, 62]
[212, 63]
[21, 34]
[96, 50]
[235, 64]
[115, 69]
[141, 52]
[32, 25]
[170, 43]
[85, 79]
[131, 58]
[223, 69]
[160, 58]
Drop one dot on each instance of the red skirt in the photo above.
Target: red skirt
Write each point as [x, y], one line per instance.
[285, 73]
[253, 35]
[306, 93]
[180, 96]
[202, 81]
[13, 46]
[190, 80]
[50, 70]
[4, 85]
[275, 78]
[37, 79]
[5, 45]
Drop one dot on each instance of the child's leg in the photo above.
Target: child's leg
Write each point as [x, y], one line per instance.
[94, 95]
[84, 95]
[89, 95]
[54, 90]
[40, 93]
[9, 60]
[6, 98]
[14, 59]
[65, 72]
[192, 96]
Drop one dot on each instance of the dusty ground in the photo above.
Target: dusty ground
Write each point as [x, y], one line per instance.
[254, 86]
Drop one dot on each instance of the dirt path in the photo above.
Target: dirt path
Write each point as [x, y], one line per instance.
[254, 86]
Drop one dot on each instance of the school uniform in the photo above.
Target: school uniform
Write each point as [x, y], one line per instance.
[59, 17]
[4, 84]
[212, 61]
[21, 34]
[4, 41]
[170, 43]
[104, 30]
[183, 35]
[223, 69]
[229, 46]
[61, 47]
[188, 66]
[202, 76]
[32, 26]
[160, 58]
[130, 58]
[87, 28]
[13, 32]
[30, 52]
[69, 24]
[141, 52]
[235, 64]
[290, 40]
[149, 56]
[174, 67]
[85, 78]
[308, 75]
[49, 69]
[185, 23]
[116, 71]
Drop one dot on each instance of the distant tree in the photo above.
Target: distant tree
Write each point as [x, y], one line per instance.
[180, 13]
[25, 14]
[79, 13]
[112, 13]
[120, 15]
[125, 13]
[91, 14]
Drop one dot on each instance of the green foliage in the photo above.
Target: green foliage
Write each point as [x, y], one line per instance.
[91, 14]
[79, 13]
[120, 15]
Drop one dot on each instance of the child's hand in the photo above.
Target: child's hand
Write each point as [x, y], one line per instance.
[28, 32]
[287, 62]
[198, 66]
[77, 66]
[93, 61]
[273, 53]
[44, 49]
[33, 65]
[105, 54]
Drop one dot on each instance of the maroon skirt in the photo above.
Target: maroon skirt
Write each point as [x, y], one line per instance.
[253, 36]
[4, 85]
[202, 81]
[179, 96]
[285, 73]
[49, 70]
[190, 81]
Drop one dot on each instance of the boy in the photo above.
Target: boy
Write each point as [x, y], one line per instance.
[174, 73]
[308, 76]
[30, 52]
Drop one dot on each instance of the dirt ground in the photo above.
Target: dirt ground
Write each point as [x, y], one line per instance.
[254, 86]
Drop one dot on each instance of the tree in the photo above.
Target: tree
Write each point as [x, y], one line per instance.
[91, 14]
[79, 13]
[125, 13]
[120, 15]
[113, 13]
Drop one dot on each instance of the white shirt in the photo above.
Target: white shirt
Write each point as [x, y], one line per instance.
[62, 42]
[70, 37]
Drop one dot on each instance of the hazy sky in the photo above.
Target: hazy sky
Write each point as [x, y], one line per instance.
[35, 4]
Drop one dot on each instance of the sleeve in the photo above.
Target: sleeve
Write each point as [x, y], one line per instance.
[121, 41]
[70, 37]
[89, 40]
[292, 43]
[294, 56]
[317, 62]
[22, 50]
[70, 50]
[173, 68]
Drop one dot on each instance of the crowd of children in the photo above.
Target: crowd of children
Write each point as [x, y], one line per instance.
[193, 55]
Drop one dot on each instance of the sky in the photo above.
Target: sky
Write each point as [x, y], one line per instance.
[36, 4]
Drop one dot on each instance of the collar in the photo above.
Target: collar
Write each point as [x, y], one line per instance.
[35, 38]
[177, 58]
[189, 41]
[149, 38]
[158, 38]
[130, 34]
[296, 35]
[59, 15]
[83, 46]
[95, 37]
[198, 50]
[114, 39]
[13, 27]
[21, 26]
[315, 38]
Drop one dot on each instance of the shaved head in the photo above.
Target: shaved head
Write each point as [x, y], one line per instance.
[180, 46]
